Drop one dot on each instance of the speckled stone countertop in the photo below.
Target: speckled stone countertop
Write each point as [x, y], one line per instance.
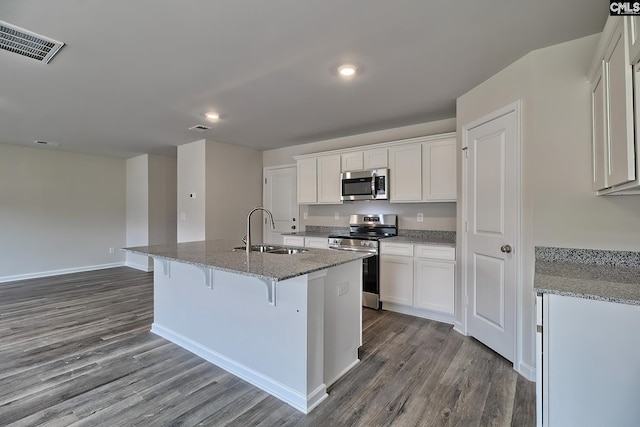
[424, 237]
[319, 231]
[219, 254]
[593, 274]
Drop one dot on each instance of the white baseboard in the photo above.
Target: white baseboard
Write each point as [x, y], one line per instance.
[527, 371]
[4, 279]
[419, 312]
[141, 267]
[288, 395]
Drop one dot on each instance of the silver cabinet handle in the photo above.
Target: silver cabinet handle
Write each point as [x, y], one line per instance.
[506, 249]
[373, 186]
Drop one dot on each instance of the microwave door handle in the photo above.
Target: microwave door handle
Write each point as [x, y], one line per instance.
[373, 185]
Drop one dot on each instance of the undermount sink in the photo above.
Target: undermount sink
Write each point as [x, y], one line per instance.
[280, 250]
[287, 251]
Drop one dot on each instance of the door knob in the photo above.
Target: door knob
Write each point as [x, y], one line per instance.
[293, 227]
[506, 249]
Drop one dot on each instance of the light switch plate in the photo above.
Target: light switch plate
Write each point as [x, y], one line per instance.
[336, 216]
[305, 215]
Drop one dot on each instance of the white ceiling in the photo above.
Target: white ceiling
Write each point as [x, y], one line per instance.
[134, 75]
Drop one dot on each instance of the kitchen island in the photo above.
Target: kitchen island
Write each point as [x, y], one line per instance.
[290, 324]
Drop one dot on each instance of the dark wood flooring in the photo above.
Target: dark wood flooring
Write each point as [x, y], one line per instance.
[76, 350]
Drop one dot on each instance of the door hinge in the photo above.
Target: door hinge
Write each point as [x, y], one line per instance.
[466, 226]
[466, 152]
[466, 300]
[265, 181]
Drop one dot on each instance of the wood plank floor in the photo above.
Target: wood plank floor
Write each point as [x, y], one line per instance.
[76, 350]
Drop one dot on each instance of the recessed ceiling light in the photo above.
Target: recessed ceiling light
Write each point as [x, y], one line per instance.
[347, 71]
[212, 115]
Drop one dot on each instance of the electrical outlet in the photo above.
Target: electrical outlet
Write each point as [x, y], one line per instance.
[112, 251]
[343, 288]
[420, 217]
[305, 215]
[336, 216]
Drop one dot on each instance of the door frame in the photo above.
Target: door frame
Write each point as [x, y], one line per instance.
[264, 193]
[515, 107]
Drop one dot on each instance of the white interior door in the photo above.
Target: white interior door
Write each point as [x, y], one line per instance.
[491, 209]
[280, 199]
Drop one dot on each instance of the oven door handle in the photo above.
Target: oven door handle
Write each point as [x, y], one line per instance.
[371, 251]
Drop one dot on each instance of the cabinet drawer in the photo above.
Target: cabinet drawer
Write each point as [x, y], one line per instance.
[436, 252]
[396, 249]
[316, 242]
[293, 240]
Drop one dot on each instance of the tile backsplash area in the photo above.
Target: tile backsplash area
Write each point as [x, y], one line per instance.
[436, 216]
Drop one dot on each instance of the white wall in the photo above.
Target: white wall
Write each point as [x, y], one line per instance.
[162, 199]
[59, 211]
[437, 216]
[227, 180]
[137, 229]
[191, 179]
[234, 187]
[559, 207]
[151, 205]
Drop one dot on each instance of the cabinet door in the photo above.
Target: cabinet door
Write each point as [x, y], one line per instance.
[405, 164]
[329, 179]
[375, 158]
[396, 279]
[435, 285]
[599, 126]
[619, 114]
[439, 171]
[293, 240]
[307, 184]
[352, 161]
[316, 242]
[633, 26]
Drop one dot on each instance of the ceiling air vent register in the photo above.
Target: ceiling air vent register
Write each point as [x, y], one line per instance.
[26, 43]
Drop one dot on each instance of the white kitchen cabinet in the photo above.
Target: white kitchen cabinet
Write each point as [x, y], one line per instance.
[293, 240]
[329, 179]
[599, 137]
[353, 161]
[375, 158]
[435, 285]
[418, 280]
[316, 242]
[307, 173]
[612, 94]
[590, 374]
[439, 171]
[396, 279]
[405, 164]
[633, 25]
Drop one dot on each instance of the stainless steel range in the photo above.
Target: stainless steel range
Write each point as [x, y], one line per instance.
[365, 232]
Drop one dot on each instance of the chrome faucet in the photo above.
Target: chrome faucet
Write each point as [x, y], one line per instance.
[273, 226]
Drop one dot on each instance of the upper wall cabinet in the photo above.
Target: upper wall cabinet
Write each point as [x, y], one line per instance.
[420, 170]
[375, 158]
[612, 96]
[634, 38]
[439, 171]
[329, 179]
[352, 161]
[405, 162]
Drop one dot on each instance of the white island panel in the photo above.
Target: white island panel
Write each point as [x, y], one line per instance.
[290, 348]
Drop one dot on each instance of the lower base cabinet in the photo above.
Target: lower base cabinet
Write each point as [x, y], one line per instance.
[418, 280]
[589, 357]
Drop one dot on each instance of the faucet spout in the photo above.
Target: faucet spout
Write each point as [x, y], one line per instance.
[273, 225]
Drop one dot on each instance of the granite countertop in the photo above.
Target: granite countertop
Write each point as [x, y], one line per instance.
[219, 254]
[612, 276]
[425, 237]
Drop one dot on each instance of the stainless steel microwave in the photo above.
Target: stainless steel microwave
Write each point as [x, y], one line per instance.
[365, 185]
